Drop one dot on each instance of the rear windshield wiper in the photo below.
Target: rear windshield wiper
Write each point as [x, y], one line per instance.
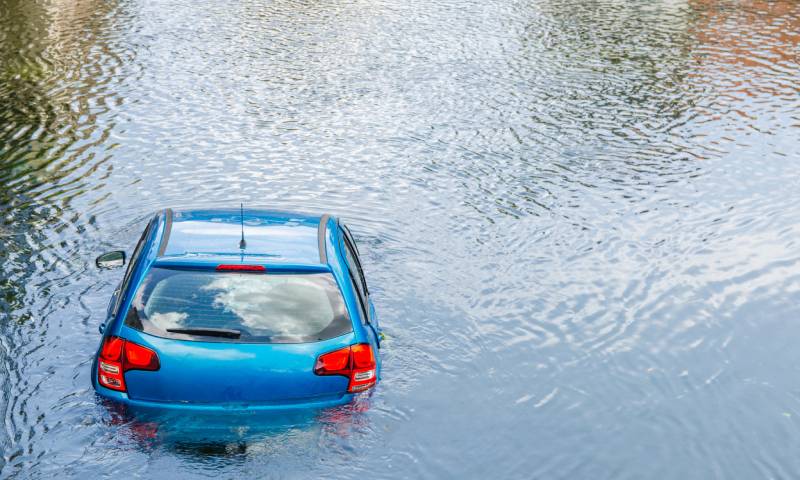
[208, 332]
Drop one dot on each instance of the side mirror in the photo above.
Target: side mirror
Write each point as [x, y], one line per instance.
[110, 259]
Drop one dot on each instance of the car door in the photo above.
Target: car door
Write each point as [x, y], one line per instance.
[362, 291]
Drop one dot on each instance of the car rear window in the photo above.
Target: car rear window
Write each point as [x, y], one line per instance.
[261, 307]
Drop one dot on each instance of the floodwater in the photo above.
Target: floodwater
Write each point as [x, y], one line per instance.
[581, 224]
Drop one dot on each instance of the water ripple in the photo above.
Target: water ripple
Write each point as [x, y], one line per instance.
[579, 220]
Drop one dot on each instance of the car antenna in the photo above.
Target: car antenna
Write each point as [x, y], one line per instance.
[242, 243]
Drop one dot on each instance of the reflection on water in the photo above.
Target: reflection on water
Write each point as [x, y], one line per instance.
[580, 222]
[202, 436]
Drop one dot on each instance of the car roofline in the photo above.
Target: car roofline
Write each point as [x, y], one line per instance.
[322, 229]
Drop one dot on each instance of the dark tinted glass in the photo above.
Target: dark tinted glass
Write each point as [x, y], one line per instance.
[352, 265]
[265, 308]
[357, 279]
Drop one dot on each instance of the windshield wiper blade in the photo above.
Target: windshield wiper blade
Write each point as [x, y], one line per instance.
[208, 332]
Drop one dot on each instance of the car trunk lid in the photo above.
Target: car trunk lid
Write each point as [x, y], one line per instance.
[234, 373]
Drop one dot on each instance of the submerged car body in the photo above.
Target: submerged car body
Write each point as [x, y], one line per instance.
[253, 309]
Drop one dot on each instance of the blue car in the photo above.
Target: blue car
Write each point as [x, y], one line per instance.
[229, 309]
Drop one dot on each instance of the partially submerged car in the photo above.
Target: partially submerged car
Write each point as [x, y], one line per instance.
[253, 309]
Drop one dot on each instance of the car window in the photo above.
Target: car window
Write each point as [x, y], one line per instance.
[132, 264]
[349, 236]
[354, 259]
[356, 276]
[263, 308]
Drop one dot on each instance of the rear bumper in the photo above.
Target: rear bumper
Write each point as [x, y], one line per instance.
[148, 406]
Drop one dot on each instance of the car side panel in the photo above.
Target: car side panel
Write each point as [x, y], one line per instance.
[342, 276]
[366, 333]
[145, 260]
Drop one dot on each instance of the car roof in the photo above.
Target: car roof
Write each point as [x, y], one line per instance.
[270, 236]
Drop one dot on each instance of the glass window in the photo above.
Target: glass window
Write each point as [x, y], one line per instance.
[353, 267]
[357, 281]
[260, 308]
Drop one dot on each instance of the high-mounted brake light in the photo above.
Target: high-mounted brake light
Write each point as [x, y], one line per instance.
[118, 356]
[356, 362]
[241, 268]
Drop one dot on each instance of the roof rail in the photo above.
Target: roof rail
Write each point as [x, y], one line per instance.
[167, 231]
[321, 230]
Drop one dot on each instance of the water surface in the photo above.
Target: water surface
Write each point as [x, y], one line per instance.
[580, 223]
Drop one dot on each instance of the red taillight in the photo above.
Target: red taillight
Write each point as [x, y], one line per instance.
[109, 365]
[363, 376]
[357, 362]
[334, 363]
[138, 357]
[241, 268]
[117, 356]
[112, 349]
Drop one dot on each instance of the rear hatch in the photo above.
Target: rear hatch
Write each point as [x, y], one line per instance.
[237, 337]
[209, 372]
